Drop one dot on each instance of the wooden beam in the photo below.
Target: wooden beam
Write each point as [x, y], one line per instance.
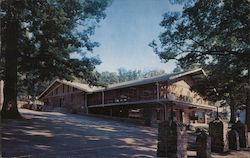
[124, 103]
[158, 91]
[163, 101]
[53, 89]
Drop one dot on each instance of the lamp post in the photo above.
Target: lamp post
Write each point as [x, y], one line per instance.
[217, 105]
[171, 98]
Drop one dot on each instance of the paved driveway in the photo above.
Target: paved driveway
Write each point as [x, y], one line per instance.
[45, 135]
[65, 135]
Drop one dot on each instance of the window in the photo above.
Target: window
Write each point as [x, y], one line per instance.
[68, 89]
[201, 117]
[63, 88]
[57, 91]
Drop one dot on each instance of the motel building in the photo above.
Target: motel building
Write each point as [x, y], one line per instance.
[151, 100]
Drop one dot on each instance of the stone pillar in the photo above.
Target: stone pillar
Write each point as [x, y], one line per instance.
[162, 137]
[233, 140]
[218, 132]
[203, 141]
[243, 135]
[172, 140]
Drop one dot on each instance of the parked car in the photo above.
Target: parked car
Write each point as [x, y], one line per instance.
[33, 105]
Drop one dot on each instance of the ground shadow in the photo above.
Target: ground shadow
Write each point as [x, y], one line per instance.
[65, 135]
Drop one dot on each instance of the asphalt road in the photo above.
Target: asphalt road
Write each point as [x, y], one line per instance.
[51, 134]
[57, 135]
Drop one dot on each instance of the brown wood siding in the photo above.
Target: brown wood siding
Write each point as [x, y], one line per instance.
[183, 92]
[181, 87]
[130, 94]
[67, 97]
[95, 98]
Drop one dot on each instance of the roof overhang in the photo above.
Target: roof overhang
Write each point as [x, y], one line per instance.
[161, 102]
[48, 88]
[196, 74]
[81, 87]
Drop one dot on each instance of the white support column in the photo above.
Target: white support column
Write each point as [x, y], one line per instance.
[205, 117]
[158, 91]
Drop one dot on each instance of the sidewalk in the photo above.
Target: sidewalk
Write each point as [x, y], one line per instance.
[244, 153]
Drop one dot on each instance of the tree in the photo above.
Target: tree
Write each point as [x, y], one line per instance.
[28, 86]
[213, 34]
[123, 75]
[152, 73]
[38, 38]
[106, 78]
[128, 75]
[228, 81]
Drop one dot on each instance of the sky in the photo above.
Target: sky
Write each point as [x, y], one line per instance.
[124, 35]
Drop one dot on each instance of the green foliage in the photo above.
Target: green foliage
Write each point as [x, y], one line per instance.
[106, 78]
[50, 31]
[128, 75]
[123, 75]
[211, 34]
[204, 29]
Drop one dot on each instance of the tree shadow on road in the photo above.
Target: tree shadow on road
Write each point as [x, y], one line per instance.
[62, 135]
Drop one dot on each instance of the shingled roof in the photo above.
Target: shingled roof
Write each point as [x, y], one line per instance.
[196, 74]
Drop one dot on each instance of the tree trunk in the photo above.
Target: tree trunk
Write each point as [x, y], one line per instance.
[248, 102]
[232, 111]
[10, 109]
